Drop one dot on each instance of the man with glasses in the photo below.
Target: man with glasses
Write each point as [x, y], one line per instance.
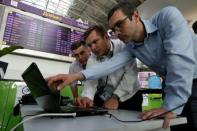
[166, 45]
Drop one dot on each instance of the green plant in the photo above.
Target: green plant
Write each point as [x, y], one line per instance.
[9, 49]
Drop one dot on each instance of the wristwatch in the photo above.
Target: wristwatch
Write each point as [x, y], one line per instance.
[116, 97]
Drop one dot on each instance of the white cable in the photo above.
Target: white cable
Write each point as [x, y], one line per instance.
[41, 115]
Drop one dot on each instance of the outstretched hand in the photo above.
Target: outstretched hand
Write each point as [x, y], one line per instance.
[156, 112]
[83, 102]
[61, 80]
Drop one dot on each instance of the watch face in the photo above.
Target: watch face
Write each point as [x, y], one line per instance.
[107, 92]
[25, 90]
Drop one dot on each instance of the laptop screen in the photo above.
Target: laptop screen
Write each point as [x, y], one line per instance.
[35, 81]
[45, 98]
[39, 89]
[3, 68]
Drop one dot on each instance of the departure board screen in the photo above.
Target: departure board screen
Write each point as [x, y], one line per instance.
[36, 34]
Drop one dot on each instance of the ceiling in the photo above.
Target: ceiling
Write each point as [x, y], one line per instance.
[95, 11]
[88, 11]
[187, 7]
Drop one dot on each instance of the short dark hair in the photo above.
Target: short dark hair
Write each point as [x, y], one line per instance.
[126, 7]
[194, 26]
[75, 45]
[99, 30]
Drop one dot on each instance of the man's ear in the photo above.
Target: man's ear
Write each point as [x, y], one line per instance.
[135, 15]
[106, 36]
[88, 50]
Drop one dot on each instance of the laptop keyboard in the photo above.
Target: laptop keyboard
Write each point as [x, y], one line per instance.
[83, 111]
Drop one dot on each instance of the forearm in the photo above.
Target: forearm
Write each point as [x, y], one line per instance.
[178, 82]
[78, 76]
[74, 91]
[107, 67]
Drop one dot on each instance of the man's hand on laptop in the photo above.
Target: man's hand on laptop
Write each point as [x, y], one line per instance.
[156, 112]
[83, 102]
[61, 80]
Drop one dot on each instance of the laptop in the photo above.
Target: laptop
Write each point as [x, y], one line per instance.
[3, 68]
[46, 99]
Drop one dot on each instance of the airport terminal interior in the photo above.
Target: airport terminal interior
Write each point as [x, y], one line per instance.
[36, 38]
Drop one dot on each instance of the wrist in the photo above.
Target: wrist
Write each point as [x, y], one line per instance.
[79, 76]
[116, 97]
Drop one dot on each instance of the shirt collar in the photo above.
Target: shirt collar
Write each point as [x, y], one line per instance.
[109, 55]
[149, 27]
[79, 64]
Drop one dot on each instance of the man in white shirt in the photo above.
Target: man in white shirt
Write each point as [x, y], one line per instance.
[117, 90]
[81, 53]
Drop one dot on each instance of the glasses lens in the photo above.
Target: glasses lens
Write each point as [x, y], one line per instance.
[118, 24]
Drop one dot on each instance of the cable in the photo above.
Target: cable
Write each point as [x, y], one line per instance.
[26, 116]
[111, 115]
[41, 115]
[158, 116]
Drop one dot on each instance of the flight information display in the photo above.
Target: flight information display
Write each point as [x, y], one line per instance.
[35, 34]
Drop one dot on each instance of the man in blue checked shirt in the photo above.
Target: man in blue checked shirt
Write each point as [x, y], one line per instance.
[166, 45]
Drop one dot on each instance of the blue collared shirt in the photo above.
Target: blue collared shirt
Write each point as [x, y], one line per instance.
[170, 49]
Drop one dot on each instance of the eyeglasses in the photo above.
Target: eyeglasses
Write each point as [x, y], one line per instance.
[118, 24]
